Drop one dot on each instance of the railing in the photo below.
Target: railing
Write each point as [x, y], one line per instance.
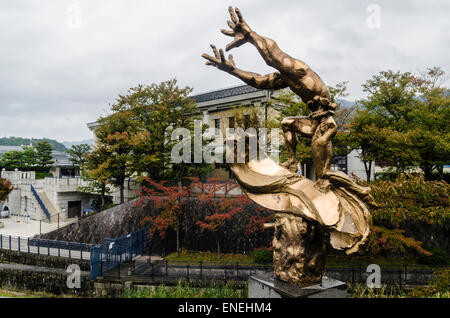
[39, 200]
[399, 275]
[114, 252]
[71, 250]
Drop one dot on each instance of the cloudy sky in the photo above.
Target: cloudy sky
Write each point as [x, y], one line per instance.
[62, 62]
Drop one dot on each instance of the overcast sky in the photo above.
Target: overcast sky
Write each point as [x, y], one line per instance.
[62, 62]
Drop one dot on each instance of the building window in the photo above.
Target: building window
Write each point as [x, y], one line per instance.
[217, 126]
[231, 122]
[246, 121]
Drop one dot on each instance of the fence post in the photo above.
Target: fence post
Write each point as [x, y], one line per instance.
[18, 243]
[406, 274]
[70, 254]
[353, 275]
[131, 248]
[1, 241]
[81, 251]
[48, 247]
[28, 244]
[167, 265]
[40, 227]
[10, 242]
[59, 248]
[39, 247]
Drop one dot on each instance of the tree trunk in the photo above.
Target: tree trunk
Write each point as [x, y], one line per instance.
[178, 237]
[428, 172]
[440, 169]
[121, 193]
[368, 168]
[218, 248]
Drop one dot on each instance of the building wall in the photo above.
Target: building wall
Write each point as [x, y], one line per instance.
[356, 166]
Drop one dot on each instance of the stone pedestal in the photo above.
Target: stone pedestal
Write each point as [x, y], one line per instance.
[263, 287]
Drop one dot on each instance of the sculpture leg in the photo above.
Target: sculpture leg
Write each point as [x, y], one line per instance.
[290, 140]
[299, 250]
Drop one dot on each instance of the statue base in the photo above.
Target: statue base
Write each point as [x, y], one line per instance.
[263, 287]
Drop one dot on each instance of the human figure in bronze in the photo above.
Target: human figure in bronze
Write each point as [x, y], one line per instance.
[306, 213]
[302, 80]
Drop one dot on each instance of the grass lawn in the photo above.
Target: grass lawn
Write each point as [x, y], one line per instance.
[194, 257]
[29, 294]
[190, 257]
[183, 290]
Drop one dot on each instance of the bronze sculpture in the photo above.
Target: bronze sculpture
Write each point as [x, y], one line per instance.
[307, 212]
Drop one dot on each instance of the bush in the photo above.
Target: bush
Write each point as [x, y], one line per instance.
[263, 255]
[393, 243]
[437, 257]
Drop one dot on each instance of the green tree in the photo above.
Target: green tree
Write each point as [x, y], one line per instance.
[5, 189]
[12, 160]
[77, 154]
[403, 121]
[117, 138]
[29, 157]
[44, 154]
[96, 176]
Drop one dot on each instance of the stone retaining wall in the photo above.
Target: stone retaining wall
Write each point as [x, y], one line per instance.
[8, 256]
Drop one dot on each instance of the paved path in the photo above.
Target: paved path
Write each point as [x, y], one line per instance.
[44, 249]
[29, 228]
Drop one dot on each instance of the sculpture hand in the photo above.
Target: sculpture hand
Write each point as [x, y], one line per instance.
[240, 29]
[219, 60]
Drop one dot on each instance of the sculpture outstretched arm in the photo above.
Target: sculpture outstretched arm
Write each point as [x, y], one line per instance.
[268, 81]
[267, 48]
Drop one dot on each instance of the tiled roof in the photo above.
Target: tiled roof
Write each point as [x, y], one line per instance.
[61, 159]
[224, 93]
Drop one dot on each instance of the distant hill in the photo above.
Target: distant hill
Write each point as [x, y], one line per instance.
[19, 141]
[345, 103]
[69, 144]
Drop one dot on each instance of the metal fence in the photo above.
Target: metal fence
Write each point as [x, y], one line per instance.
[113, 252]
[390, 274]
[46, 247]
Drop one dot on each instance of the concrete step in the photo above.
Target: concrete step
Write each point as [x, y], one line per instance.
[53, 211]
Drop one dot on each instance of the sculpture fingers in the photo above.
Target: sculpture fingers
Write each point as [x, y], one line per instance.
[227, 32]
[238, 41]
[231, 25]
[212, 60]
[239, 15]
[222, 56]
[232, 14]
[231, 60]
[216, 53]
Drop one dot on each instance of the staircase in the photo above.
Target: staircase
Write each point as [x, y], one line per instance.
[45, 204]
[51, 209]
